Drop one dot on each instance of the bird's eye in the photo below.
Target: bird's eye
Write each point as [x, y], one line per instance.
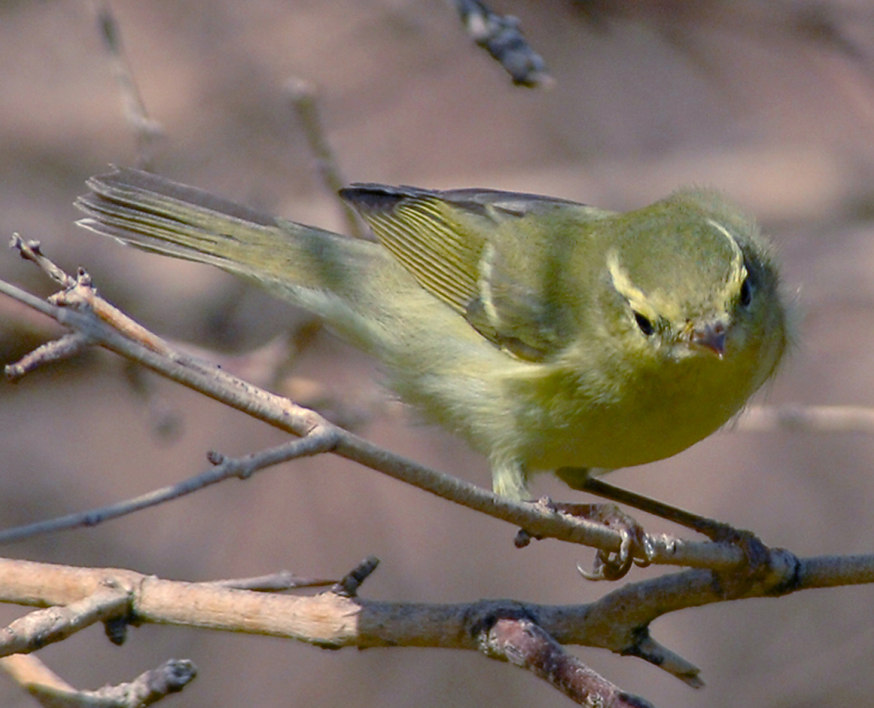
[644, 323]
[746, 292]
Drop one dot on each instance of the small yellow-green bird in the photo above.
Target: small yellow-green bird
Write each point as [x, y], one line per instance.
[548, 333]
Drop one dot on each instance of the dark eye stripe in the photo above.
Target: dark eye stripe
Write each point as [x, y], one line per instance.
[746, 292]
[644, 323]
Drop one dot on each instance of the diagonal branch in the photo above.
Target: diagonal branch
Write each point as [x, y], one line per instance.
[522, 642]
[82, 310]
[224, 468]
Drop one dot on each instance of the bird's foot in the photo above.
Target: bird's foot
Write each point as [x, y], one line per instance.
[635, 547]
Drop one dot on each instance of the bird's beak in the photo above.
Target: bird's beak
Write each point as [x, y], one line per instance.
[709, 336]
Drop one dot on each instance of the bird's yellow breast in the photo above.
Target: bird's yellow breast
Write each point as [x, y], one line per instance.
[650, 415]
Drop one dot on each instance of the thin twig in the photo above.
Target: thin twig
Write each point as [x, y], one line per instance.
[274, 582]
[79, 292]
[51, 691]
[349, 584]
[303, 98]
[501, 37]
[53, 624]
[146, 130]
[66, 347]
[32, 251]
[150, 687]
[223, 468]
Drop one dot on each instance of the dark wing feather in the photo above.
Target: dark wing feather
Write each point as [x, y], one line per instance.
[469, 248]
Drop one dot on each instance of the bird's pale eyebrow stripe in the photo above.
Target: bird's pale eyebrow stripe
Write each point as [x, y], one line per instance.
[621, 282]
[738, 268]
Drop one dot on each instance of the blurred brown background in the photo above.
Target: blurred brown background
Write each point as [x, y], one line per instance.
[772, 102]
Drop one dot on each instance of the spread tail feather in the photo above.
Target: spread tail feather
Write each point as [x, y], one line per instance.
[155, 214]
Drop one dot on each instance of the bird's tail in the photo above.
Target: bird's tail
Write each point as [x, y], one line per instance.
[155, 214]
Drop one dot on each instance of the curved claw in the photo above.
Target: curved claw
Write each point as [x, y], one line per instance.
[615, 565]
[595, 574]
[647, 547]
[635, 546]
[609, 566]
